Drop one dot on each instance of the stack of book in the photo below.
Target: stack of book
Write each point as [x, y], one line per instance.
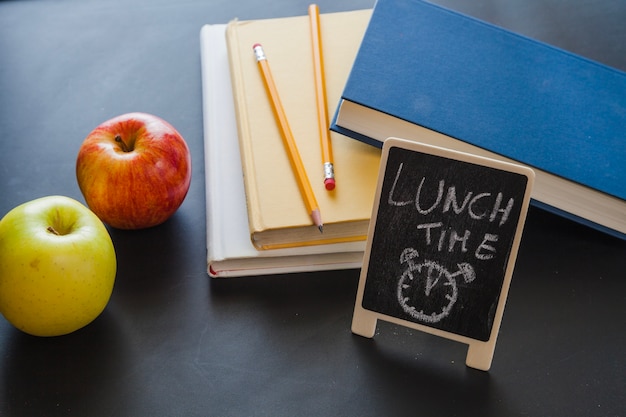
[407, 69]
[256, 220]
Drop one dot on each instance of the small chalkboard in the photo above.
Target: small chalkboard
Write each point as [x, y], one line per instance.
[442, 243]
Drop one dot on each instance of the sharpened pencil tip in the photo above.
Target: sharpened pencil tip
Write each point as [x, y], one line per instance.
[317, 219]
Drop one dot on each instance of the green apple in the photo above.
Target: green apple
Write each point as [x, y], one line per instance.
[57, 266]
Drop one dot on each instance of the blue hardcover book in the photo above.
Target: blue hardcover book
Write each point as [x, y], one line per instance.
[433, 75]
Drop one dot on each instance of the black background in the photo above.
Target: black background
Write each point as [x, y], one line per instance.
[173, 342]
[397, 229]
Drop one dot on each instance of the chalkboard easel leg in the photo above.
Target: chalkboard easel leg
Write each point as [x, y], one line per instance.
[363, 322]
[480, 355]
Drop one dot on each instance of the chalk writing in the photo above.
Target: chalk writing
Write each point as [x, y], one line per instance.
[487, 206]
[452, 223]
[471, 201]
[442, 242]
[447, 240]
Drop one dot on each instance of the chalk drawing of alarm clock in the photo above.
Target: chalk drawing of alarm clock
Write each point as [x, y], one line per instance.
[427, 290]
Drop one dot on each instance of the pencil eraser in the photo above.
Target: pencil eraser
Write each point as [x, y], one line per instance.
[329, 183]
[255, 45]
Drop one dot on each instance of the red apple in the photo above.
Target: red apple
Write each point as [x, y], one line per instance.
[134, 171]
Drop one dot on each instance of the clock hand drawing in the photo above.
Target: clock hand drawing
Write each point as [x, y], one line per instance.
[426, 290]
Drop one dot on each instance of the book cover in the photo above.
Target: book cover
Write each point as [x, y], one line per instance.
[277, 214]
[230, 252]
[430, 74]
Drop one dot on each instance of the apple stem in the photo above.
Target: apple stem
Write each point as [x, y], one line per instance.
[53, 231]
[123, 145]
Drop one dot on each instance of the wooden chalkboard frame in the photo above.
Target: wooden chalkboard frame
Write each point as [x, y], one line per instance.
[481, 350]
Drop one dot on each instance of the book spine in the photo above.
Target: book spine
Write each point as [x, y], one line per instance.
[214, 248]
[243, 129]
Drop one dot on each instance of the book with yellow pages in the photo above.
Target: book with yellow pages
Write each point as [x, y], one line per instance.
[277, 214]
[230, 252]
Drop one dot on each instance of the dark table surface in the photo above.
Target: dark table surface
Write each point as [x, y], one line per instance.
[174, 342]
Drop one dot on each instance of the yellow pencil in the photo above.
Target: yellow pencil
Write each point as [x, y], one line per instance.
[320, 91]
[292, 150]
